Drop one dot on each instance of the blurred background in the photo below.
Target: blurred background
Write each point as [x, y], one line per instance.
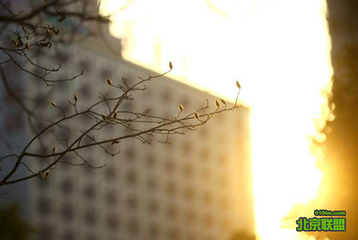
[297, 63]
[297, 139]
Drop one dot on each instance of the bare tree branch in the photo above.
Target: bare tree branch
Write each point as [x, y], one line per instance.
[25, 38]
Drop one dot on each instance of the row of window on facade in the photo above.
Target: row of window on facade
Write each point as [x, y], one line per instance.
[61, 57]
[150, 161]
[132, 229]
[170, 188]
[132, 226]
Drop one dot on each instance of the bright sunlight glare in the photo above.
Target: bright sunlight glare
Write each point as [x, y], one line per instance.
[279, 50]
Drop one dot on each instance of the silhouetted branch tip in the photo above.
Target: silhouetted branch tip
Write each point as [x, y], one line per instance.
[181, 107]
[217, 103]
[238, 85]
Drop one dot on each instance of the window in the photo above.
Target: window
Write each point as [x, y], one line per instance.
[171, 189]
[208, 220]
[130, 155]
[67, 211]
[46, 232]
[172, 212]
[173, 234]
[61, 57]
[110, 173]
[127, 105]
[64, 134]
[206, 173]
[169, 165]
[91, 236]
[63, 86]
[224, 203]
[168, 115]
[69, 235]
[126, 131]
[43, 185]
[90, 191]
[153, 230]
[112, 148]
[40, 100]
[112, 198]
[204, 132]
[205, 154]
[147, 93]
[67, 186]
[44, 206]
[131, 178]
[152, 184]
[226, 225]
[153, 206]
[90, 217]
[192, 236]
[188, 170]
[85, 91]
[223, 159]
[150, 161]
[39, 125]
[133, 227]
[113, 222]
[207, 198]
[187, 147]
[220, 118]
[132, 203]
[223, 181]
[88, 170]
[166, 96]
[85, 66]
[106, 73]
[189, 193]
[190, 216]
[222, 138]
[186, 102]
[172, 143]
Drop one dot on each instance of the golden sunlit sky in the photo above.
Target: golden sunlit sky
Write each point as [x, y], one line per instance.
[279, 50]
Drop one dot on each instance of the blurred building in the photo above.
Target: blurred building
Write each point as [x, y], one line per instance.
[197, 187]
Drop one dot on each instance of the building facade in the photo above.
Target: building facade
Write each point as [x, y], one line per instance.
[196, 187]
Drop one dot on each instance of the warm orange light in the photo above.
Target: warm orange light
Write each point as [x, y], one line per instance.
[278, 50]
